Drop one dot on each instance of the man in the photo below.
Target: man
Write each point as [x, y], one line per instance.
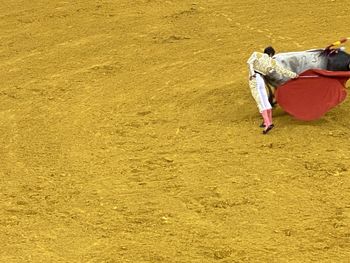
[262, 64]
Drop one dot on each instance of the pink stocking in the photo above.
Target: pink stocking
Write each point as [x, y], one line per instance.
[266, 117]
[270, 115]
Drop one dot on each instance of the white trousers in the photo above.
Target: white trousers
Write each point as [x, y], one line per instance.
[258, 90]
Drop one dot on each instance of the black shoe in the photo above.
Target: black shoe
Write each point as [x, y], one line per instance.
[268, 129]
[262, 125]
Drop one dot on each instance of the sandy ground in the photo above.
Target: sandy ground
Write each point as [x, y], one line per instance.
[128, 134]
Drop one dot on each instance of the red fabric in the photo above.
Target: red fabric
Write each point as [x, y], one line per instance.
[313, 93]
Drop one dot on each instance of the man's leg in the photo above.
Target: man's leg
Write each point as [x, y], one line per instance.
[259, 93]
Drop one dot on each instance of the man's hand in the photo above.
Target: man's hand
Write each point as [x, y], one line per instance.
[270, 70]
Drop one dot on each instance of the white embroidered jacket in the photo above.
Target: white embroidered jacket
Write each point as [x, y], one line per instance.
[264, 64]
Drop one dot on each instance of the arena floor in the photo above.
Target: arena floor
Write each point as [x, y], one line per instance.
[128, 134]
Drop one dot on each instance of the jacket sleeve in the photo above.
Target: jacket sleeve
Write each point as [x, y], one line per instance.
[250, 63]
[285, 72]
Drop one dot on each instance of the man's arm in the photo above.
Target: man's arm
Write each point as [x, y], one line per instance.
[250, 63]
[251, 72]
[285, 72]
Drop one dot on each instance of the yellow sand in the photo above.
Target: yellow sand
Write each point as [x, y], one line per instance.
[128, 134]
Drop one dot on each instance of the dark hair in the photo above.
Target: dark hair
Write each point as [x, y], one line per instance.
[270, 51]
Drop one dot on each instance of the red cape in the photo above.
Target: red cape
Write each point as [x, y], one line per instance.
[313, 93]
